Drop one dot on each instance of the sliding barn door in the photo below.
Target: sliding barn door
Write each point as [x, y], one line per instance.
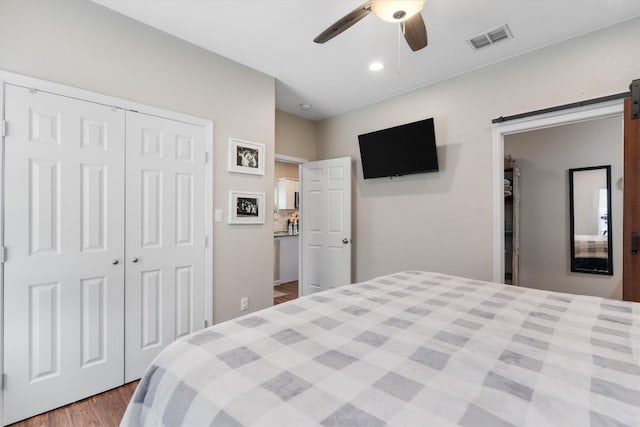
[165, 243]
[64, 237]
[631, 255]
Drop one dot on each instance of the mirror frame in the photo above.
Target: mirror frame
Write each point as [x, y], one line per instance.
[574, 268]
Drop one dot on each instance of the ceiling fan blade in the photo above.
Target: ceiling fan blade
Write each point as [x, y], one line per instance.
[344, 23]
[415, 32]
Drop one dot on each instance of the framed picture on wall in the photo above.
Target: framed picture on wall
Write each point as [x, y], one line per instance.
[246, 207]
[246, 157]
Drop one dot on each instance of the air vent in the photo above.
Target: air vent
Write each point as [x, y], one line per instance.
[490, 37]
[480, 41]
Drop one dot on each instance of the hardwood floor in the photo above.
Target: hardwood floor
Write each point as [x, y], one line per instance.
[102, 410]
[290, 290]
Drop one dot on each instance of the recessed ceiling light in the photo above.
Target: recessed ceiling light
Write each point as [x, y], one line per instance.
[376, 66]
[305, 107]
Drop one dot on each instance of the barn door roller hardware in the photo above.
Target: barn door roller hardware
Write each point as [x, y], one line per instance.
[634, 87]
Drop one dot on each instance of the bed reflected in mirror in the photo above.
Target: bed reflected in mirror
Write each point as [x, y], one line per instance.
[590, 225]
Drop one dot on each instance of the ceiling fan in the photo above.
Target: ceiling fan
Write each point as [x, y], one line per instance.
[406, 12]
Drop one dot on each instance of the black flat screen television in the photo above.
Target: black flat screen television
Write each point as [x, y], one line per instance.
[400, 150]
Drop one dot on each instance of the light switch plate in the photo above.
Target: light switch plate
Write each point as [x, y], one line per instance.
[217, 215]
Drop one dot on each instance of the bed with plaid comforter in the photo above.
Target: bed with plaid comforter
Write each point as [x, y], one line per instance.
[409, 349]
[591, 247]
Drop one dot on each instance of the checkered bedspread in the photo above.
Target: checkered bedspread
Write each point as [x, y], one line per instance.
[409, 349]
[591, 247]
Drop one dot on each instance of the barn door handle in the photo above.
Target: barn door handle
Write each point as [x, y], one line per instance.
[634, 87]
[634, 243]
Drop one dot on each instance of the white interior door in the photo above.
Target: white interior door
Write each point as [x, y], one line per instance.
[64, 236]
[165, 243]
[326, 224]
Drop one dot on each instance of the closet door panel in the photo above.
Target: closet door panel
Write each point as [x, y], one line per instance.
[64, 227]
[165, 236]
[151, 225]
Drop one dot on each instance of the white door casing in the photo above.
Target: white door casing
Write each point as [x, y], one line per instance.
[325, 210]
[165, 242]
[64, 234]
[526, 124]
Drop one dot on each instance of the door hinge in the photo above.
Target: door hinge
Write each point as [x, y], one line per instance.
[3, 378]
[4, 128]
[206, 157]
[206, 241]
[3, 254]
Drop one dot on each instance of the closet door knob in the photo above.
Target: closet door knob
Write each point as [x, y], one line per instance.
[114, 262]
[135, 259]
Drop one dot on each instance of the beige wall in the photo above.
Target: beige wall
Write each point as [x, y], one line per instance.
[286, 170]
[295, 136]
[81, 44]
[543, 158]
[443, 221]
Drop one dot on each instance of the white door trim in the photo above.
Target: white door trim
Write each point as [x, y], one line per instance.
[289, 159]
[500, 130]
[2, 138]
[7, 77]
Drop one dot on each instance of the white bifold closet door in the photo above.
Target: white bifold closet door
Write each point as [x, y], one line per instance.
[64, 233]
[165, 242]
[105, 239]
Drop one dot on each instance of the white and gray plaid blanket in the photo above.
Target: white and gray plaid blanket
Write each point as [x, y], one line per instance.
[410, 349]
[591, 247]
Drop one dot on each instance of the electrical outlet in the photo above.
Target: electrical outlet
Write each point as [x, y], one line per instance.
[244, 303]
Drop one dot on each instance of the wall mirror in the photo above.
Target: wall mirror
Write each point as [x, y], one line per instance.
[590, 225]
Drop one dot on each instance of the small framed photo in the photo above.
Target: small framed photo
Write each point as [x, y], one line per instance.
[246, 207]
[246, 157]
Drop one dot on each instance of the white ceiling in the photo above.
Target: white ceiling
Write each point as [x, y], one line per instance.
[276, 38]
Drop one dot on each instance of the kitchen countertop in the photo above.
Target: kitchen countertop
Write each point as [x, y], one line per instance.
[283, 234]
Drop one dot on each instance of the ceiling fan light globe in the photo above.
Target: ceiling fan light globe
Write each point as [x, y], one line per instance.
[396, 10]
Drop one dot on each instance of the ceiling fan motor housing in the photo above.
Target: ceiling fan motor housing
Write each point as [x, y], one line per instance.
[406, 12]
[396, 10]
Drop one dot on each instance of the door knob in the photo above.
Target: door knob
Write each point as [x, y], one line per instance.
[136, 259]
[114, 262]
[345, 241]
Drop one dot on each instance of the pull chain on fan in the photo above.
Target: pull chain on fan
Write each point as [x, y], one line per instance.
[400, 33]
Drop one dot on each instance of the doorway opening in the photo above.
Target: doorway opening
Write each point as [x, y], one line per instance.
[543, 159]
[286, 228]
[607, 109]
